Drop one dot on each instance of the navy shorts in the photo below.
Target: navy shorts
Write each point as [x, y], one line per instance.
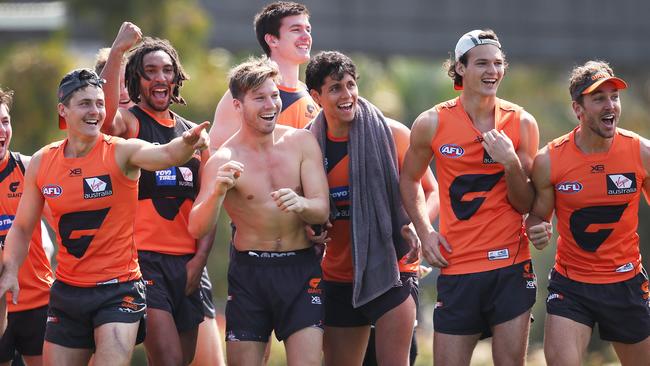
[166, 276]
[272, 291]
[75, 312]
[475, 302]
[621, 309]
[206, 295]
[339, 311]
[25, 333]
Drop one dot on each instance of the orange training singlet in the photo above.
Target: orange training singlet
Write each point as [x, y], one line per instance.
[337, 261]
[597, 208]
[165, 196]
[298, 108]
[35, 274]
[484, 231]
[93, 204]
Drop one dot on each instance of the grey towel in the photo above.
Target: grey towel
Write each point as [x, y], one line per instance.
[376, 206]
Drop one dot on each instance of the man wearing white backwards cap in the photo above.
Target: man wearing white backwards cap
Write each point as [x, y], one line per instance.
[484, 148]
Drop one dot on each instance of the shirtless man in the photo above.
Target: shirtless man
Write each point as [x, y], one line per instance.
[271, 182]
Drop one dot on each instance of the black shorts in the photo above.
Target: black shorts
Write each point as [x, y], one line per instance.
[206, 295]
[25, 333]
[166, 276]
[475, 302]
[272, 291]
[339, 311]
[621, 309]
[75, 312]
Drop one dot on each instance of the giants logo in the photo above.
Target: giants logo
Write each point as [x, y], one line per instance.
[581, 220]
[569, 187]
[51, 191]
[645, 287]
[313, 286]
[470, 183]
[452, 150]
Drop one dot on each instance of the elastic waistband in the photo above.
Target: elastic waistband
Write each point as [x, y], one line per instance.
[259, 257]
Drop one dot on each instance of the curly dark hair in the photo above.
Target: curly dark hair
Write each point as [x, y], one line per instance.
[269, 20]
[328, 63]
[581, 74]
[135, 68]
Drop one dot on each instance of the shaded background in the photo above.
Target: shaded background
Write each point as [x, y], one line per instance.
[399, 47]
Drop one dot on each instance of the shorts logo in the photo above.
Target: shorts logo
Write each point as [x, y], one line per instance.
[531, 284]
[498, 254]
[271, 254]
[627, 267]
[51, 191]
[554, 296]
[313, 286]
[315, 300]
[52, 319]
[98, 187]
[438, 305]
[166, 177]
[188, 177]
[109, 282]
[645, 287]
[129, 305]
[624, 183]
[6, 221]
[148, 282]
[452, 150]
[569, 187]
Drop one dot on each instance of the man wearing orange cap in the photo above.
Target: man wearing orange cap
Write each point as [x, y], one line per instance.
[484, 148]
[592, 178]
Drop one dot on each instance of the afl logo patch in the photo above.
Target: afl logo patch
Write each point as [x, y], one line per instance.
[452, 150]
[569, 187]
[52, 191]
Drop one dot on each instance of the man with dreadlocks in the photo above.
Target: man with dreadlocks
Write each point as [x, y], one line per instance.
[170, 258]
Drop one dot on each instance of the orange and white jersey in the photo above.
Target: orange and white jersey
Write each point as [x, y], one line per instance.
[483, 229]
[35, 274]
[93, 205]
[596, 204]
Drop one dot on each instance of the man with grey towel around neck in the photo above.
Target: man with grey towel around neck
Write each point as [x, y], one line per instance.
[371, 261]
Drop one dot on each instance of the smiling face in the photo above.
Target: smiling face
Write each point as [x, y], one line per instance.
[260, 107]
[156, 92]
[85, 111]
[294, 42]
[484, 71]
[338, 98]
[600, 110]
[5, 130]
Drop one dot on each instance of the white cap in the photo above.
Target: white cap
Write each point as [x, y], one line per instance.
[470, 40]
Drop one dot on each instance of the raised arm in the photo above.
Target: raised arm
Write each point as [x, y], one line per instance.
[20, 234]
[416, 163]
[538, 226]
[313, 206]
[226, 122]
[114, 123]
[134, 154]
[218, 176]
